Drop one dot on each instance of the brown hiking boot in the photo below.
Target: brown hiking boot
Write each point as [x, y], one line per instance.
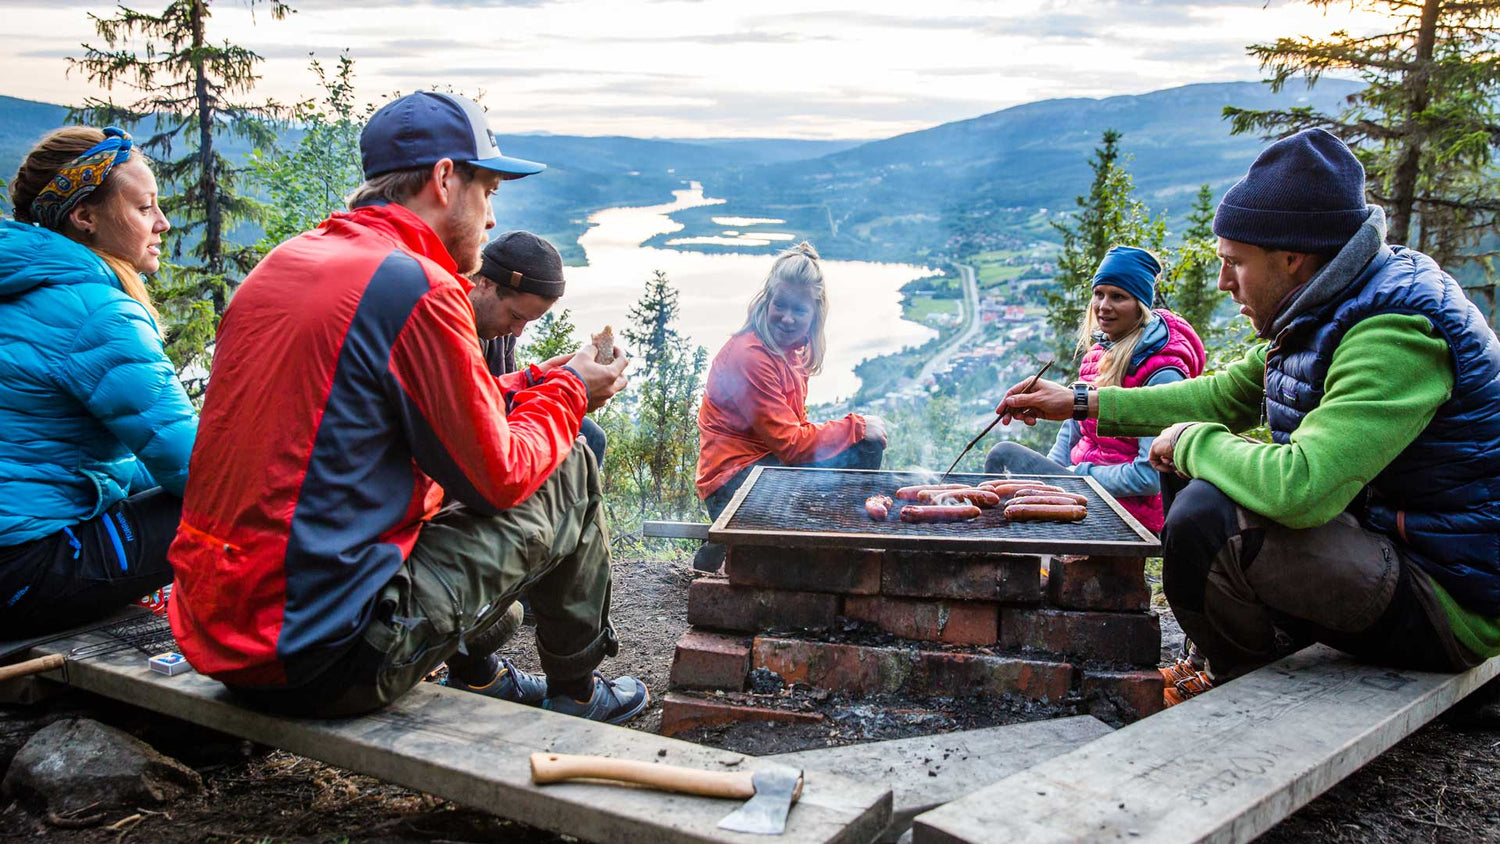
[1183, 680]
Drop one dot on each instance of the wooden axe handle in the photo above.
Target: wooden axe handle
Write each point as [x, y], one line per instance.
[32, 666]
[557, 767]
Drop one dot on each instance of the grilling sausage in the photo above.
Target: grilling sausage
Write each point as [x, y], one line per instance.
[1045, 513]
[910, 493]
[879, 507]
[939, 513]
[1071, 497]
[1006, 488]
[981, 498]
[1057, 500]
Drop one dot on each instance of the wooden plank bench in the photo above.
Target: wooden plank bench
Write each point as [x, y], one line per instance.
[475, 750]
[675, 530]
[1223, 767]
[927, 771]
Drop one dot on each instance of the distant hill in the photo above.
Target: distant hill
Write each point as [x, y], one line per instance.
[877, 199]
[584, 173]
[899, 198]
[773, 150]
[22, 124]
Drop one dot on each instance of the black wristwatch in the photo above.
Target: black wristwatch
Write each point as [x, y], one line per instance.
[1080, 400]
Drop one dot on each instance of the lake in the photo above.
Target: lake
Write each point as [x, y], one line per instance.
[715, 290]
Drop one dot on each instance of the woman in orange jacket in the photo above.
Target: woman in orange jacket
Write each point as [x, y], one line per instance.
[754, 410]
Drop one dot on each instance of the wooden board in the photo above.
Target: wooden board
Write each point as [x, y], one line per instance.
[475, 750]
[1222, 767]
[675, 530]
[1109, 530]
[928, 771]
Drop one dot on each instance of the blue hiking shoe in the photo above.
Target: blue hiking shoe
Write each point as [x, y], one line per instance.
[510, 683]
[613, 701]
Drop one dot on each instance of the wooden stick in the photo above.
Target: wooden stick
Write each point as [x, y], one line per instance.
[32, 666]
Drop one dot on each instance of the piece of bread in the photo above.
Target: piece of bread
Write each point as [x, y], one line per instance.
[604, 346]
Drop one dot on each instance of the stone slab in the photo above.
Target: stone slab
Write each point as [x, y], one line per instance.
[682, 712]
[1117, 584]
[475, 750]
[716, 603]
[1120, 637]
[962, 577]
[845, 571]
[952, 622]
[866, 669]
[928, 771]
[1222, 767]
[706, 660]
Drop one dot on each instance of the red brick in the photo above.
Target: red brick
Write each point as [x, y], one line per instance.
[710, 661]
[1099, 583]
[868, 670]
[680, 713]
[1131, 694]
[1118, 637]
[715, 602]
[954, 622]
[963, 577]
[848, 571]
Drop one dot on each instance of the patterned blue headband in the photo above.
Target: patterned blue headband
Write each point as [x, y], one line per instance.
[79, 178]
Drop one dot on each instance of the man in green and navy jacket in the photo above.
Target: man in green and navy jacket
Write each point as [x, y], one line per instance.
[1371, 522]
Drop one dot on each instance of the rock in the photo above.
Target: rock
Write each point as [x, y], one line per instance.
[78, 766]
[764, 681]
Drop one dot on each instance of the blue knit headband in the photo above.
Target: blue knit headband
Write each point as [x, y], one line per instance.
[1130, 269]
[79, 178]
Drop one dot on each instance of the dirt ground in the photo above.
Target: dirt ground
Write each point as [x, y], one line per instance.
[1442, 784]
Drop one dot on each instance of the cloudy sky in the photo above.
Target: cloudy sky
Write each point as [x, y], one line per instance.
[702, 68]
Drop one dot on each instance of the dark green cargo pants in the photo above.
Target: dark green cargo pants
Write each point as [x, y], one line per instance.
[463, 574]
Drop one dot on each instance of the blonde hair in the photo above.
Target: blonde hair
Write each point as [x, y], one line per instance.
[51, 154]
[797, 266]
[1115, 364]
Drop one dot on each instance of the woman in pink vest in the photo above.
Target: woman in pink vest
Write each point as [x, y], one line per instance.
[1129, 345]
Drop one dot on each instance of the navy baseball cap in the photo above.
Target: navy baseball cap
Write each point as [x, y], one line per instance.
[421, 129]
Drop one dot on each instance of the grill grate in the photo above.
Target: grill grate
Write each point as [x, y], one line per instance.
[792, 507]
[149, 633]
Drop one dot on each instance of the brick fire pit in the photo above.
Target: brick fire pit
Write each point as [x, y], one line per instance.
[964, 601]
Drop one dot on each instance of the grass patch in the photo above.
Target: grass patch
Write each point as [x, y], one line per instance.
[991, 275]
[918, 308]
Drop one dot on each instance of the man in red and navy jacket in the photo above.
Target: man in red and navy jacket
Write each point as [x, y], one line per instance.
[314, 571]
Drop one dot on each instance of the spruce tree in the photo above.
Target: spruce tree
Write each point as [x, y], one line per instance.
[552, 335]
[305, 184]
[653, 454]
[185, 87]
[1426, 125]
[1109, 215]
[1191, 285]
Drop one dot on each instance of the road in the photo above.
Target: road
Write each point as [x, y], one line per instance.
[966, 334]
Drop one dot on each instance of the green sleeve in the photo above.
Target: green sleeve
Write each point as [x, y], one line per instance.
[1385, 383]
[1231, 397]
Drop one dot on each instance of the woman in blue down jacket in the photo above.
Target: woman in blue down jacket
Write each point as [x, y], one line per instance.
[95, 429]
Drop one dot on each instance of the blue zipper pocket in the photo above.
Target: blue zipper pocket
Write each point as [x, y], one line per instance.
[114, 537]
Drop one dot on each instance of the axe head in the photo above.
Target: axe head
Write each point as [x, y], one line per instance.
[776, 788]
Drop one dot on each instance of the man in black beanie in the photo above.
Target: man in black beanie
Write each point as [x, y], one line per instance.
[520, 278]
[1371, 521]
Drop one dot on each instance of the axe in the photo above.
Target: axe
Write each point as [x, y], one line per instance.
[771, 790]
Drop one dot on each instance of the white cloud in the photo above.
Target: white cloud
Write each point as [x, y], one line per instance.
[798, 68]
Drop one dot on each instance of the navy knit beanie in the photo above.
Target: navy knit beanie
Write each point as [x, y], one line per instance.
[1130, 269]
[1305, 193]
